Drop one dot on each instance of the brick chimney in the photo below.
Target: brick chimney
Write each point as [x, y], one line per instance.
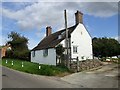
[78, 17]
[48, 30]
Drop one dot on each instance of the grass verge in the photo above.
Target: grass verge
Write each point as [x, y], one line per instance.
[33, 68]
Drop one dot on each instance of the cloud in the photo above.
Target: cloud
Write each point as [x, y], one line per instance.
[101, 9]
[16, 5]
[32, 43]
[40, 34]
[117, 38]
[3, 40]
[60, 1]
[45, 14]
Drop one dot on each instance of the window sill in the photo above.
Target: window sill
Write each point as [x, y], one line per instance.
[75, 52]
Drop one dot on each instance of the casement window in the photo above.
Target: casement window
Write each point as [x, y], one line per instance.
[75, 49]
[33, 53]
[45, 52]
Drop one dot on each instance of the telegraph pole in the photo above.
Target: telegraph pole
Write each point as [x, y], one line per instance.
[66, 41]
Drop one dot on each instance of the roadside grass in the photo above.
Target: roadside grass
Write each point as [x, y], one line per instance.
[0, 61]
[33, 68]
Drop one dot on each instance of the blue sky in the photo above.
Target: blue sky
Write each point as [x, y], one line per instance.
[31, 18]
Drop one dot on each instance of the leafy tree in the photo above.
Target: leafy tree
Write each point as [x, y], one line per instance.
[105, 47]
[19, 46]
[59, 50]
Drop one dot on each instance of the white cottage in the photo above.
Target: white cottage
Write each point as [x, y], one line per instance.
[80, 43]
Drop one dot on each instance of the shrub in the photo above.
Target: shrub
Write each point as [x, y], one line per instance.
[24, 55]
[103, 59]
[46, 70]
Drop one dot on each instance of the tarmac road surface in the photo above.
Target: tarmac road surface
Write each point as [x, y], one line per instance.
[15, 79]
[106, 77]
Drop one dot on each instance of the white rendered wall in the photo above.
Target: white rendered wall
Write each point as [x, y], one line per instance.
[81, 38]
[63, 42]
[39, 58]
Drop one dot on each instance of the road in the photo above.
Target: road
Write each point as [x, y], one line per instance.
[16, 79]
[106, 77]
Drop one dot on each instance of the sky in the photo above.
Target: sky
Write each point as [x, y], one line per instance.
[31, 18]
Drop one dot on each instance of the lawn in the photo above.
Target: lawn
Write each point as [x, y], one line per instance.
[33, 68]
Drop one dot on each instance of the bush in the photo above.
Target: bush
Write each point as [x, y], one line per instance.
[46, 70]
[24, 55]
[9, 54]
[103, 59]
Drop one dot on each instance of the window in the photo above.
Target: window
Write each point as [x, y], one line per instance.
[82, 57]
[33, 53]
[45, 52]
[60, 37]
[81, 33]
[74, 49]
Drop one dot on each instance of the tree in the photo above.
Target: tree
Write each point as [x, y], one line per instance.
[19, 46]
[105, 47]
[59, 51]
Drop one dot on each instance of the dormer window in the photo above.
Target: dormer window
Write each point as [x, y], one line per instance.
[63, 33]
[60, 37]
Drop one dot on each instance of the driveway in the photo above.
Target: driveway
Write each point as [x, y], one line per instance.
[106, 77]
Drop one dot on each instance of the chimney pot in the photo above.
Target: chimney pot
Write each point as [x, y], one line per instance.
[48, 30]
[78, 17]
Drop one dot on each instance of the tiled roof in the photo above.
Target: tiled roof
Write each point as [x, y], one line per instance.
[54, 39]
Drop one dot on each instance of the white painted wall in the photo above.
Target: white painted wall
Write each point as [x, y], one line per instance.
[39, 58]
[81, 38]
[63, 42]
